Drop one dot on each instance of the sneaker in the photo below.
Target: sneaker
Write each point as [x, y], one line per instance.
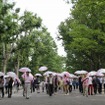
[86, 95]
[27, 97]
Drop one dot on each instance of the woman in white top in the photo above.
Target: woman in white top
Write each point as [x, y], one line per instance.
[28, 80]
[90, 87]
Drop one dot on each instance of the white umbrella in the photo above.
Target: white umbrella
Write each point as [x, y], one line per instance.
[47, 73]
[81, 72]
[6, 76]
[65, 73]
[24, 69]
[38, 74]
[102, 70]
[11, 74]
[1, 74]
[77, 72]
[73, 76]
[54, 73]
[92, 73]
[43, 68]
[99, 74]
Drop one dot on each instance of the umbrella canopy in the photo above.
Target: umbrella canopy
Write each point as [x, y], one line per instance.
[81, 72]
[101, 71]
[99, 74]
[6, 76]
[43, 68]
[24, 69]
[1, 74]
[92, 73]
[65, 73]
[54, 74]
[77, 72]
[11, 74]
[38, 74]
[47, 73]
[73, 76]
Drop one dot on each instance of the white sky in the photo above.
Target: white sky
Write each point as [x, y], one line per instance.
[52, 12]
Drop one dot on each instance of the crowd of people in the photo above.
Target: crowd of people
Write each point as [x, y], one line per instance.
[87, 85]
[6, 86]
[52, 84]
[91, 85]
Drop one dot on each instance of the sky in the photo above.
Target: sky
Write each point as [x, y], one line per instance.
[52, 12]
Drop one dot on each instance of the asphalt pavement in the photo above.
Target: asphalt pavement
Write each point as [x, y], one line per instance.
[74, 98]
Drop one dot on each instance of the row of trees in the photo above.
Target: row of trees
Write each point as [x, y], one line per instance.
[83, 35]
[25, 41]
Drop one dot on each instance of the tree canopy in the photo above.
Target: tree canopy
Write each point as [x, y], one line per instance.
[83, 35]
[25, 41]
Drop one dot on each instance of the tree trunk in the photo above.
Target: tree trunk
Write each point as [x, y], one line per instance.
[17, 66]
[4, 58]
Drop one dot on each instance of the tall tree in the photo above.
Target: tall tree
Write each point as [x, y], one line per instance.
[8, 30]
[24, 41]
[84, 35]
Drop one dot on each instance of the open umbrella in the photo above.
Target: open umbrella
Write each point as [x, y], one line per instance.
[73, 76]
[43, 68]
[11, 74]
[101, 71]
[6, 76]
[1, 74]
[65, 73]
[38, 74]
[99, 74]
[47, 73]
[92, 73]
[79, 72]
[24, 69]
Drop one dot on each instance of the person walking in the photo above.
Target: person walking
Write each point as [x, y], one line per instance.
[10, 87]
[95, 84]
[6, 85]
[50, 84]
[27, 80]
[85, 83]
[38, 84]
[1, 86]
[66, 84]
[104, 83]
[90, 87]
[100, 85]
[70, 84]
[80, 84]
[16, 85]
[55, 84]
[74, 83]
[60, 84]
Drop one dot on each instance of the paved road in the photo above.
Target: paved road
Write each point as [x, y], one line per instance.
[75, 98]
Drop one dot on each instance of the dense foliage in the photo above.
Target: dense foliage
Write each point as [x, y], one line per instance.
[83, 35]
[25, 42]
